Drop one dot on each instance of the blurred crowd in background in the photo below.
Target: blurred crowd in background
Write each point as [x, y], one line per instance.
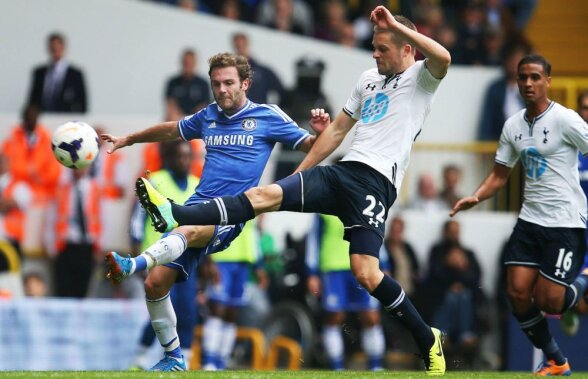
[448, 292]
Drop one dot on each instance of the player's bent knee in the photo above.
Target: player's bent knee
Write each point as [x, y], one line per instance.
[155, 289]
[196, 235]
[265, 199]
[518, 296]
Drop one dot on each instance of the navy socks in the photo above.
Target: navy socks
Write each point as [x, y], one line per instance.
[226, 210]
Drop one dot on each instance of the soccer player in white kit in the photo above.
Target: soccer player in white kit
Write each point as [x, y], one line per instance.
[389, 106]
[547, 246]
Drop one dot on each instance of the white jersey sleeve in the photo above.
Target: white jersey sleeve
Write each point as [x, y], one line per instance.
[353, 104]
[506, 153]
[575, 131]
[426, 80]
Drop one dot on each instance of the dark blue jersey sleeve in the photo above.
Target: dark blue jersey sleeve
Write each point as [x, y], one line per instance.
[283, 129]
[190, 127]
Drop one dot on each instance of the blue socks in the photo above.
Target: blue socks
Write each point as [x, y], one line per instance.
[226, 210]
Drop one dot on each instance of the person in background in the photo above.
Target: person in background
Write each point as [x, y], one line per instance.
[77, 229]
[176, 182]
[427, 198]
[35, 285]
[502, 98]
[226, 296]
[58, 86]
[187, 92]
[331, 279]
[266, 86]
[451, 178]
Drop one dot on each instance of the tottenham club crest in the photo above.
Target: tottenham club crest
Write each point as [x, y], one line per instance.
[249, 124]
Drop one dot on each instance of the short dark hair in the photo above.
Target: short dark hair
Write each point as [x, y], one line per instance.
[56, 36]
[231, 60]
[537, 59]
[189, 51]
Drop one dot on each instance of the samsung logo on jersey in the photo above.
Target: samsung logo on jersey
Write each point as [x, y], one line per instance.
[226, 140]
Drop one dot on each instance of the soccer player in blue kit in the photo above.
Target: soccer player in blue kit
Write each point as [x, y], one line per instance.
[239, 137]
[388, 106]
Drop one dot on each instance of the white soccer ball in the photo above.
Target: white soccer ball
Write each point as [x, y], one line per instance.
[75, 144]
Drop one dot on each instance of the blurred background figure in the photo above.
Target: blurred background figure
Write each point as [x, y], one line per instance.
[15, 198]
[35, 285]
[330, 278]
[187, 92]
[502, 98]
[266, 87]
[405, 268]
[77, 229]
[427, 198]
[58, 86]
[294, 16]
[176, 182]
[227, 296]
[451, 179]
[455, 300]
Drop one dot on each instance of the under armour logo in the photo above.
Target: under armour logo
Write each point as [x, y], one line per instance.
[545, 133]
[370, 86]
[374, 222]
[519, 137]
[560, 273]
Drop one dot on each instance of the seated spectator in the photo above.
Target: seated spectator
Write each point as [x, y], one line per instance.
[58, 86]
[470, 33]
[334, 20]
[427, 198]
[451, 178]
[187, 90]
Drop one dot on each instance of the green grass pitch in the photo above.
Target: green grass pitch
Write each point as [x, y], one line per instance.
[262, 375]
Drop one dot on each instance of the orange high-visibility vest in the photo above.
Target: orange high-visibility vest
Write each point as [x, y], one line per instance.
[91, 204]
[35, 165]
[109, 189]
[14, 218]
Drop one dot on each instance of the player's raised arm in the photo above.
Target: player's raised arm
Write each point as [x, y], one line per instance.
[438, 58]
[328, 140]
[164, 131]
[493, 182]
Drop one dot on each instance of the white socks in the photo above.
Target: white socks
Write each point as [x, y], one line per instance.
[212, 334]
[229, 335]
[166, 250]
[163, 320]
[373, 342]
[333, 342]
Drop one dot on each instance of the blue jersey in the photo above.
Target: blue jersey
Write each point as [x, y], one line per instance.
[237, 146]
[583, 168]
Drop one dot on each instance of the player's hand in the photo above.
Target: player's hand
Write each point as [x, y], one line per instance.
[463, 204]
[117, 142]
[319, 120]
[382, 18]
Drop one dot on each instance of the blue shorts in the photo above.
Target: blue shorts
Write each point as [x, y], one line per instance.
[231, 288]
[221, 239]
[342, 292]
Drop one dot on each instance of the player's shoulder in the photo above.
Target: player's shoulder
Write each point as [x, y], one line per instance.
[371, 74]
[515, 121]
[270, 112]
[565, 113]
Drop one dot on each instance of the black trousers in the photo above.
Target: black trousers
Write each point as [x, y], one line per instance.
[73, 270]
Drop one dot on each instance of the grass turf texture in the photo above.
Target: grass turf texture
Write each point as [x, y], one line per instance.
[263, 374]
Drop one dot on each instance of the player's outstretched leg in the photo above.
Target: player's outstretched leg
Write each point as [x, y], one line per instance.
[157, 206]
[118, 268]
